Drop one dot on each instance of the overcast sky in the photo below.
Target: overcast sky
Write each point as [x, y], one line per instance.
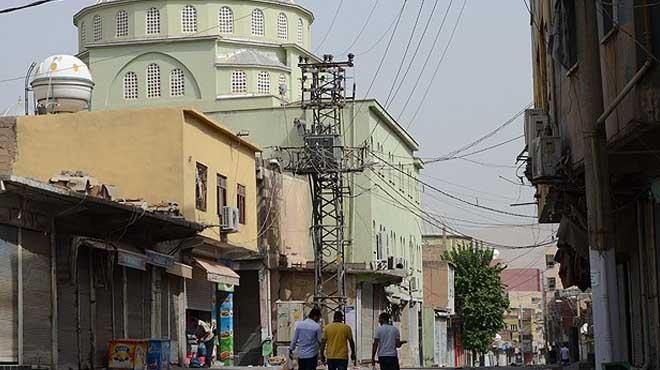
[484, 79]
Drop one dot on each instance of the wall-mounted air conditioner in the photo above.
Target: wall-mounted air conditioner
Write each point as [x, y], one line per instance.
[230, 219]
[546, 158]
[536, 120]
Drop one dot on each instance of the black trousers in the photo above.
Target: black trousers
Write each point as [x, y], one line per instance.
[308, 363]
[334, 364]
[389, 363]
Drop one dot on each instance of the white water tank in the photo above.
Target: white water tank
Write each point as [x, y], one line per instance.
[62, 84]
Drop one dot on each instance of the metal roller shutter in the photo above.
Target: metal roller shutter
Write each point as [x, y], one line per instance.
[199, 291]
[367, 321]
[138, 306]
[8, 294]
[36, 297]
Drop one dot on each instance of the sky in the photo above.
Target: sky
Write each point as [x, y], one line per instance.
[484, 79]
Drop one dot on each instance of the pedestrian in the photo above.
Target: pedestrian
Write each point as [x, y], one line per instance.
[387, 340]
[337, 337]
[565, 355]
[307, 336]
[205, 337]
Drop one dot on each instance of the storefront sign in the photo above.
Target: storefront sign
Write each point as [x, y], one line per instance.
[132, 260]
[159, 259]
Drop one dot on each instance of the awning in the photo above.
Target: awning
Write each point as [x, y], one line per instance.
[218, 273]
[179, 269]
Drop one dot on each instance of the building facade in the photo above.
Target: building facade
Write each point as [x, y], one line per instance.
[591, 156]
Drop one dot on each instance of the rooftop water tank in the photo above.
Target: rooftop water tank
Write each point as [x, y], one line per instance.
[62, 84]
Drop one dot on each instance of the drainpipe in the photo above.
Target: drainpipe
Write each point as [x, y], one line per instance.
[642, 282]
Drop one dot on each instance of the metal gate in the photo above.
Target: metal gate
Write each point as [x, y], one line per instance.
[8, 294]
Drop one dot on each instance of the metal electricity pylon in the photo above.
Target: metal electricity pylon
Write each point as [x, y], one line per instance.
[326, 161]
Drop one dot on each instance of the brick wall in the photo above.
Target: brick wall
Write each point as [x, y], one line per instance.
[7, 144]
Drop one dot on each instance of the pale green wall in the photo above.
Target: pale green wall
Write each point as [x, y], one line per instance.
[207, 76]
[428, 324]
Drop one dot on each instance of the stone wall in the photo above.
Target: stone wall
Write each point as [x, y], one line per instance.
[7, 144]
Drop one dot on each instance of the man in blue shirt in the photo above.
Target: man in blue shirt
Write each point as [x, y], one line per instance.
[308, 336]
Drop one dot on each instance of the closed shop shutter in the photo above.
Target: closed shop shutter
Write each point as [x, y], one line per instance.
[8, 294]
[36, 297]
[199, 291]
[367, 321]
[138, 305]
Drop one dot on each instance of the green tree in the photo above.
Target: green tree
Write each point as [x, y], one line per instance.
[479, 296]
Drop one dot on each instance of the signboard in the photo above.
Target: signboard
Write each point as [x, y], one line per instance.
[159, 259]
[127, 354]
[132, 260]
[226, 330]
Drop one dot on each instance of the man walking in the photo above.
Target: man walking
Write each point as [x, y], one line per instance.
[386, 341]
[308, 336]
[565, 355]
[336, 339]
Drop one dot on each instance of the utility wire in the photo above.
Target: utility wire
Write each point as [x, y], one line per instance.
[332, 24]
[30, 5]
[451, 195]
[437, 67]
[405, 53]
[364, 27]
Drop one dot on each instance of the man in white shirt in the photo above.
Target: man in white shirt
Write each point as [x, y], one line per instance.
[387, 340]
[565, 355]
[308, 336]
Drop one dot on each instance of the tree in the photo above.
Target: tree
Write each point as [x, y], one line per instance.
[479, 295]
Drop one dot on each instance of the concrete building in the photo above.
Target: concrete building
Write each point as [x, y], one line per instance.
[596, 89]
[177, 158]
[79, 271]
[236, 61]
[439, 306]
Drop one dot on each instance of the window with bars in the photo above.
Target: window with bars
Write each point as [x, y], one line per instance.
[238, 82]
[130, 86]
[552, 283]
[282, 27]
[301, 31]
[121, 23]
[188, 19]
[98, 28]
[153, 81]
[153, 21]
[225, 20]
[221, 195]
[177, 83]
[263, 83]
[240, 203]
[83, 33]
[258, 23]
[201, 183]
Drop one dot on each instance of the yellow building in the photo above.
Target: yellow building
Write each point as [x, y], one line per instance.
[157, 154]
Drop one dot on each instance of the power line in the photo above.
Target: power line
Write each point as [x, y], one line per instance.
[405, 53]
[30, 5]
[419, 44]
[451, 195]
[437, 67]
[332, 24]
[364, 27]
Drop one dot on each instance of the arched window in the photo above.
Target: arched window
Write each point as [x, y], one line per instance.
[153, 81]
[188, 19]
[130, 86]
[282, 27]
[177, 83]
[122, 23]
[263, 83]
[98, 28]
[83, 33]
[282, 87]
[153, 21]
[258, 23]
[238, 82]
[225, 20]
[301, 31]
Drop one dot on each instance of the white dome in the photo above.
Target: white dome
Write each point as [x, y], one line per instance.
[63, 66]
[62, 84]
[109, 1]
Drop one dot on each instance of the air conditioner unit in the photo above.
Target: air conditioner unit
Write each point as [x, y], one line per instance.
[230, 219]
[536, 121]
[379, 265]
[400, 263]
[546, 158]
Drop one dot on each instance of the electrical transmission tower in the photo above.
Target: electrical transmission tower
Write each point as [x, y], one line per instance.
[326, 161]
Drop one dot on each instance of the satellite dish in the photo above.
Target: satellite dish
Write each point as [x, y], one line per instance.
[62, 84]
